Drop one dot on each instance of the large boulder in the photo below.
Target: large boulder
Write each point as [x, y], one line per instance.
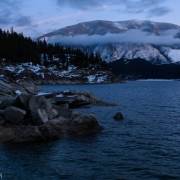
[6, 88]
[28, 134]
[22, 102]
[32, 103]
[50, 132]
[40, 102]
[75, 114]
[83, 124]
[29, 86]
[63, 112]
[5, 84]
[85, 97]
[55, 113]
[39, 117]
[7, 102]
[27, 120]
[80, 98]
[61, 99]
[6, 134]
[14, 115]
[2, 112]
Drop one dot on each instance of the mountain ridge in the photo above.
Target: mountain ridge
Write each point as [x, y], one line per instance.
[142, 69]
[164, 46]
[114, 26]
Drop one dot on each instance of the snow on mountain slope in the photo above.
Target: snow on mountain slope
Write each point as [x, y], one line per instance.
[130, 51]
[152, 41]
[174, 54]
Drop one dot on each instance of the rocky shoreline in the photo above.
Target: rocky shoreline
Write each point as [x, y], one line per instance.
[27, 114]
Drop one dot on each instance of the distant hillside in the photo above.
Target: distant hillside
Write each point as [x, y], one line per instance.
[142, 69]
[102, 27]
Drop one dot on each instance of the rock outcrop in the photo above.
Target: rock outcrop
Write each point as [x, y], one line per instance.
[10, 88]
[27, 115]
[39, 117]
[40, 120]
[14, 115]
[74, 99]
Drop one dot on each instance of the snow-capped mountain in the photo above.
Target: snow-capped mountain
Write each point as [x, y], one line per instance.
[153, 41]
[101, 27]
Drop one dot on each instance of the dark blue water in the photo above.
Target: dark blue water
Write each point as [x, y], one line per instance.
[145, 145]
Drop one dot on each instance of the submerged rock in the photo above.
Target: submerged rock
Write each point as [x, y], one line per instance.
[118, 116]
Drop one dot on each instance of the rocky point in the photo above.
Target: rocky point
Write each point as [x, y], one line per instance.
[27, 114]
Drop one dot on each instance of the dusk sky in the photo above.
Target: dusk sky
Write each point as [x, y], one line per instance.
[38, 17]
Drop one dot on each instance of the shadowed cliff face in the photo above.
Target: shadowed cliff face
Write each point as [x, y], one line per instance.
[142, 69]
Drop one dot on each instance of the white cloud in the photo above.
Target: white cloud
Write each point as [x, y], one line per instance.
[131, 36]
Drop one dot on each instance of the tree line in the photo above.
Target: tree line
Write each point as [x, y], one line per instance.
[15, 48]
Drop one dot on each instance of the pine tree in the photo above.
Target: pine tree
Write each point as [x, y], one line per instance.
[12, 30]
[16, 48]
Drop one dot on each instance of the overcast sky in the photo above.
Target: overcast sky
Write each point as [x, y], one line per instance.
[38, 17]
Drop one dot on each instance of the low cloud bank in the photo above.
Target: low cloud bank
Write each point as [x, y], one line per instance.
[131, 36]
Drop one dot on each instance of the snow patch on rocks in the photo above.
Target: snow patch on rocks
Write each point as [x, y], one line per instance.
[52, 75]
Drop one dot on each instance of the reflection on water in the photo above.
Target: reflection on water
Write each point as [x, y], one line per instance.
[145, 145]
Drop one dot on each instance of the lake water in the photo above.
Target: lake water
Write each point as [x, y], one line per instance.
[145, 145]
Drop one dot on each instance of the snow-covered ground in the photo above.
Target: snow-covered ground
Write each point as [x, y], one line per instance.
[72, 72]
[18, 92]
[91, 78]
[18, 68]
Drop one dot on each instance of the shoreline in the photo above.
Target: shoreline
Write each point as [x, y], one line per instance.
[26, 116]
